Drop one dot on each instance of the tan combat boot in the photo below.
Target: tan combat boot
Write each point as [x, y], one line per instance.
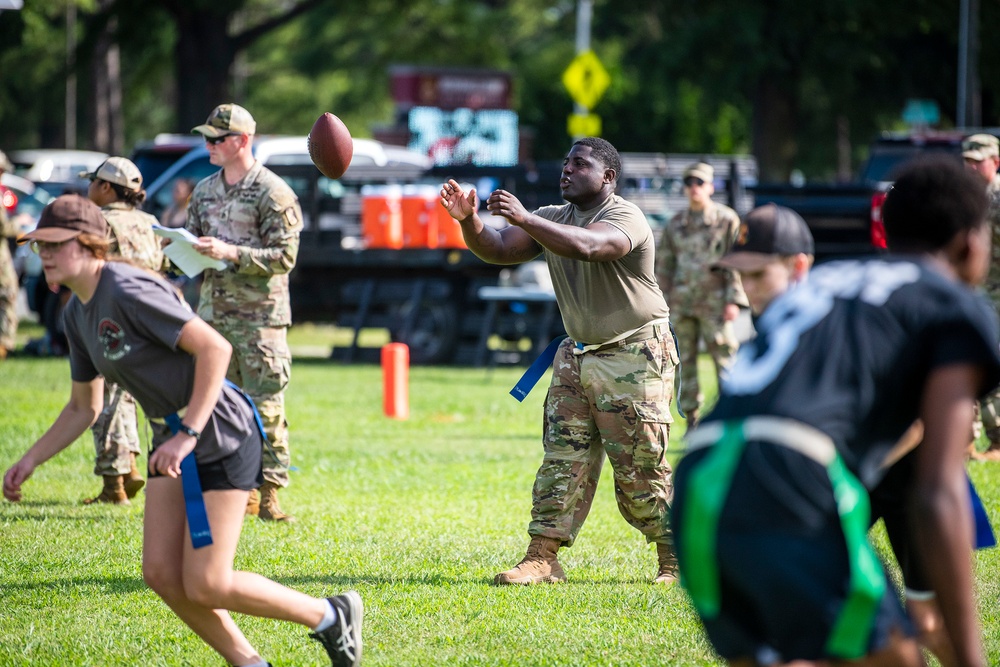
[253, 503]
[113, 492]
[666, 560]
[269, 508]
[992, 452]
[133, 481]
[539, 565]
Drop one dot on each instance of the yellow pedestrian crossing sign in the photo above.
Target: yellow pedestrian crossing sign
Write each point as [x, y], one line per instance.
[586, 79]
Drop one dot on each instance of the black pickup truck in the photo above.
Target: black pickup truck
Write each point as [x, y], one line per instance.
[846, 218]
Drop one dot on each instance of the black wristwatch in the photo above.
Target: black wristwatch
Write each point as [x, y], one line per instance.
[184, 428]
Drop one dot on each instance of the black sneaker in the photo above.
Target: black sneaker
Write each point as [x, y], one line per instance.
[342, 640]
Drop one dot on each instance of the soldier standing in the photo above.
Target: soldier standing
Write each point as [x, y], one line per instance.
[247, 215]
[8, 277]
[116, 186]
[612, 380]
[981, 153]
[704, 299]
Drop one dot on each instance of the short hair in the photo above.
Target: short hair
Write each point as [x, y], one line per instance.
[604, 152]
[933, 199]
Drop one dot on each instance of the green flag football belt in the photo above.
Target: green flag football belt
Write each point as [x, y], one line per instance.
[709, 486]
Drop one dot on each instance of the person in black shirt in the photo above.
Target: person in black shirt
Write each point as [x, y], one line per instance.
[771, 504]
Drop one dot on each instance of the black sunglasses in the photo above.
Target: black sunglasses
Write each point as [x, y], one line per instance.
[216, 140]
[693, 180]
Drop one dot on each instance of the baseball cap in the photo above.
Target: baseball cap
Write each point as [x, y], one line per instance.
[5, 163]
[978, 147]
[118, 170]
[767, 233]
[227, 119]
[65, 218]
[701, 170]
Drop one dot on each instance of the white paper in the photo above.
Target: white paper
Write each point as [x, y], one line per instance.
[182, 253]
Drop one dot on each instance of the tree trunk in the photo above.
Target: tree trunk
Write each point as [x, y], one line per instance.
[774, 127]
[204, 59]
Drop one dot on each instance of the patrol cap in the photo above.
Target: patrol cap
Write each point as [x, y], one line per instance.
[5, 163]
[701, 170]
[65, 218]
[227, 119]
[767, 233]
[118, 170]
[979, 147]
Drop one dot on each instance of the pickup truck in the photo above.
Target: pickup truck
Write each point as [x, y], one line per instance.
[846, 219]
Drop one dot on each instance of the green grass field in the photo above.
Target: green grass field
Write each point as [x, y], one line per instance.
[416, 515]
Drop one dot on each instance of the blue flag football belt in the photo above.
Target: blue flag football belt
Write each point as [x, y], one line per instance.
[194, 500]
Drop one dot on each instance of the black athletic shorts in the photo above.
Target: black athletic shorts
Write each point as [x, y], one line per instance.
[783, 570]
[240, 470]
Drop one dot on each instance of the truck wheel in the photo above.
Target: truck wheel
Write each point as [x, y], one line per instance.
[432, 334]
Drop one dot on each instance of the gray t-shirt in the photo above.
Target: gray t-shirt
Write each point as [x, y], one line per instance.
[602, 300]
[128, 333]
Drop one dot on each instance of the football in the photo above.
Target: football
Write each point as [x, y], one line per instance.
[330, 145]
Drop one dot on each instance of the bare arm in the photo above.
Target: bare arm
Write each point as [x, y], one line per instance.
[506, 246]
[211, 354]
[85, 403]
[941, 510]
[597, 242]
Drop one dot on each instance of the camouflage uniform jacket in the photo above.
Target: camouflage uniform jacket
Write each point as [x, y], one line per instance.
[992, 285]
[260, 215]
[8, 229]
[691, 243]
[132, 235]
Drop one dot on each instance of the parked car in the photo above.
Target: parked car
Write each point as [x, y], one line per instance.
[156, 156]
[56, 171]
[24, 202]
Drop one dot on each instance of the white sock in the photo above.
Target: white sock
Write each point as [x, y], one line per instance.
[262, 663]
[329, 616]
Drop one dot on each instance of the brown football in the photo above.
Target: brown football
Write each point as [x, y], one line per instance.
[330, 145]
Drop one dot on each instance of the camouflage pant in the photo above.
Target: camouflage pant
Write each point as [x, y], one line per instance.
[262, 366]
[720, 343]
[8, 303]
[116, 434]
[616, 402]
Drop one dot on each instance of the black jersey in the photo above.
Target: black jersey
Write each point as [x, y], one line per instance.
[848, 352]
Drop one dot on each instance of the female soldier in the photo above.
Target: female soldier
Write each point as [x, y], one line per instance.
[128, 326]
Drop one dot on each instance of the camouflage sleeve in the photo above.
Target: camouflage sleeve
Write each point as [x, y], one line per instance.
[280, 224]
[193, 223]
[8, 228]
[733, 285]
[666, 257]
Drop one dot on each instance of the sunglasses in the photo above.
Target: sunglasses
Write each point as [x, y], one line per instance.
[48, 246]
[215, 141]
[693, 180]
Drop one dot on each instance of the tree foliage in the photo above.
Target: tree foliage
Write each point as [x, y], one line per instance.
[787, 80]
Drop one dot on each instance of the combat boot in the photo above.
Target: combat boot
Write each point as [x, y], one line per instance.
[253, 503]
[133, 481]
[992, 452]
[666, 561]
[113, 492]
[539, 565]
[269, 508]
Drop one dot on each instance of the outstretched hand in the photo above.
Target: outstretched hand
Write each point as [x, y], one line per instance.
[459, 204]
[15, 477]
[505, 204]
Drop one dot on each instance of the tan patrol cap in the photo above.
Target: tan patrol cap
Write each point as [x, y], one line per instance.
[227, 119]
[978, 147]
[701, 170]
[118, 170]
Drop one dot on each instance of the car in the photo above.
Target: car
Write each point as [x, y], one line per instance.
[327, 204]
[56, 171]
[156, 156]
[24, 202]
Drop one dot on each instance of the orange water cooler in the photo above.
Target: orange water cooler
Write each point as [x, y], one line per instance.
[381, 218]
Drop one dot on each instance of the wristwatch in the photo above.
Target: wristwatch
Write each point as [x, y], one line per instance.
[184, 428]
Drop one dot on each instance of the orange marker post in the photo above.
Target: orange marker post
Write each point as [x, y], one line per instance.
[396, 380]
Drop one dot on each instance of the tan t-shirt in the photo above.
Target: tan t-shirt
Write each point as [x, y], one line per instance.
[602, 300]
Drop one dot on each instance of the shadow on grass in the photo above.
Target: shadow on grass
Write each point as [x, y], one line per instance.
[108, 584]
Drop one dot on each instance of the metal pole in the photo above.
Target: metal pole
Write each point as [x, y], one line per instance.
[584, 14]
[962, 98]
